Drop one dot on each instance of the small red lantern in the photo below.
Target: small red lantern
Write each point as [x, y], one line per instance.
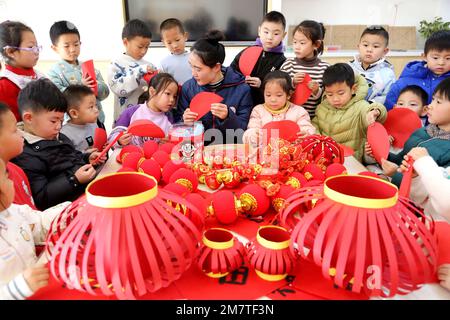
[169, 168]
[161, 157]
[186, 178]
[128, 149]
[132, 159]
[150, 167]
[221, 253]
[149, 147]
[223, 207]
[278, 201]
[269, 253]
[253, 200]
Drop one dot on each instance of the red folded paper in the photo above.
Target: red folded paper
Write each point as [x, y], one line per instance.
[302, 91]
[149, 75]
[248, 59]
[201, 103]
[100, 138]
[401, 123]
[87, 69]
[378, 139]
[285, 129]
[109, 146]
[145, 128]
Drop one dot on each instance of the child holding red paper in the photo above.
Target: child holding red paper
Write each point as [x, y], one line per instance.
[435, 137]
[344, 115]
[277, 87]
[83, 113]
[429, 189]
[230, 116]
[270, 38]
[21, 228]
[308, 45]
[20, 51]
[163, 91]
[126, 73]
[56, 171]
[66, 43]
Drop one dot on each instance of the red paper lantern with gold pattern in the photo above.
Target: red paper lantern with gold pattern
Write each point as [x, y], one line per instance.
[323, 149]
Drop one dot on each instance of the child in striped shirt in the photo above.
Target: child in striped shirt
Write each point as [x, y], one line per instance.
[308, 45]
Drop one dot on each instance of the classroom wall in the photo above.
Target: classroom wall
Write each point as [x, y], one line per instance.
[366, 12]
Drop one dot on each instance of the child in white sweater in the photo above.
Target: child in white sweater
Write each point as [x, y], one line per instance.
[20, 229]
[430, 189]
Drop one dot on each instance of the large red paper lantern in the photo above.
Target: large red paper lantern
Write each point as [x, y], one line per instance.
[363, 234]
[126, 239]
[221, 253]
[269, 253]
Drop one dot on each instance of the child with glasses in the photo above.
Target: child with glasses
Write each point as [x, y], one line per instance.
[20, 51]
[371, 63]
[66, 43]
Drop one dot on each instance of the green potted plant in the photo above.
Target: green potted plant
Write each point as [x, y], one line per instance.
[428, 28]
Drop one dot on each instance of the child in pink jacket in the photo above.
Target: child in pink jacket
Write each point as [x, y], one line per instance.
[277, 88]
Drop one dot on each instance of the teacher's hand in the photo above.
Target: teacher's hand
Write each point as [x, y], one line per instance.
[219, 110]
[189, 117]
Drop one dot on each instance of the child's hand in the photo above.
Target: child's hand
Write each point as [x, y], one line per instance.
[94, 156]
[389, 168]
[391, 140]
[189, 117]
[36, 277]
[372, 116]
[253, 81]
[368, 149]
[150, 69]
[405, 166]
[314, 86]
[219, 110]
[444, 275]
[85, 174]
[418, 152]
[298, 77]
[90, 150]
[88, 82]
[125, 139]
